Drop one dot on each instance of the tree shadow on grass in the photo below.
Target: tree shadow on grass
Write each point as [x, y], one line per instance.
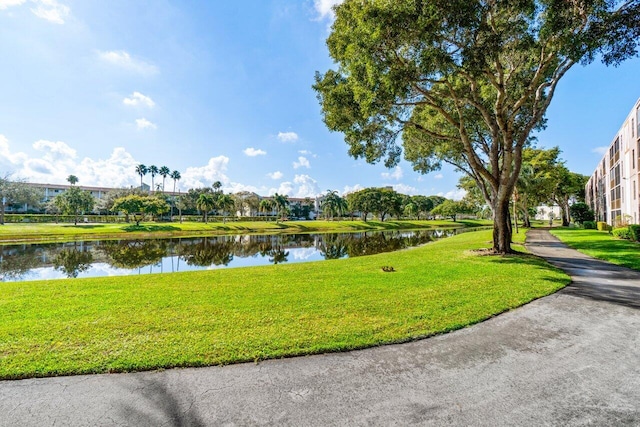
[84, 226]
[139, 228]
[591, 279]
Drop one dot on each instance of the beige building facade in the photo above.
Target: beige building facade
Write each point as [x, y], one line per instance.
[612, 189]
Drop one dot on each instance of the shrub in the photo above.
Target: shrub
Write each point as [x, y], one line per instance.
[603, 226]
[634, 230]
[589, 225]
[622, 233]
[580, 212]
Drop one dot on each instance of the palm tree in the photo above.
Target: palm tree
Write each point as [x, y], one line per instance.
[217, 186]
[175, 176]
[164, 173]
[225, 203]
[153, 170]
[205, 203]
[72, 179]
[266, 205]
[281, 201]
[142, 171]
[333, 204]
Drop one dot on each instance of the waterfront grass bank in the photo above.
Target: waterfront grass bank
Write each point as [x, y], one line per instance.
[67, 232]
[132, 323]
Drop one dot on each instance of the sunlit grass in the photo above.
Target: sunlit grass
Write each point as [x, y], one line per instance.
[601, 245]
[227, 316]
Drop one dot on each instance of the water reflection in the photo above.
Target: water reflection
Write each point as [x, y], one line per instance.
[123, 257]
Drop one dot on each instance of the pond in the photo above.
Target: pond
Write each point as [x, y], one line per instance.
[126, 257]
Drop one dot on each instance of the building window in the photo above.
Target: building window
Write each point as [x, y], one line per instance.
[633, 159]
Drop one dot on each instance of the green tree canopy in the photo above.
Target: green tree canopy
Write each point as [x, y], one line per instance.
[462, 81]
[14, 192]
[451, 209]
[75, 201]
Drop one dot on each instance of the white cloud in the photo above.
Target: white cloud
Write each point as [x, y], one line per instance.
[302, 162]
[55, 150]
[6, 156]
[253, 152]
[58, 160]
[600, 150]
[275, 175]
[396, 174]
[438, 176]
[302, 186]
[287, 136]
[307, 186]
[205, 176]
[325, 8]
[303, 254]
[456, 194]
[285, 188]
[51, 10]
[351, 189]
[8, 3]
[39, 166]
[145, 124]
[137, 98]
[406, 189]
[123, 59]
[236, 187]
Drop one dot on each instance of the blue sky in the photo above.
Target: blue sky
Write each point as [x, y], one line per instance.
[220, 91]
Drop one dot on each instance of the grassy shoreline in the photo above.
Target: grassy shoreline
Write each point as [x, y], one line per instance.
[13, 233]
[155, 321]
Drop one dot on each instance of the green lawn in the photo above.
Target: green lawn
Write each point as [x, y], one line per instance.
[225, 316]
[44, 232]
[601, 245]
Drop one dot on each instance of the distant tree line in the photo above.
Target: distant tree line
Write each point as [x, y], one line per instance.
[544, 179]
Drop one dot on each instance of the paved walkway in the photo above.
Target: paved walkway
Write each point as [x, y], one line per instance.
[572, 358]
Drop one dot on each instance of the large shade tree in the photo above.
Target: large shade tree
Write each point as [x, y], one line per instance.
[14, 192]
[463, 82]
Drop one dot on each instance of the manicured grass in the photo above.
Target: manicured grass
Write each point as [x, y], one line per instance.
[44, 232]
[225, 316]
[601, 245]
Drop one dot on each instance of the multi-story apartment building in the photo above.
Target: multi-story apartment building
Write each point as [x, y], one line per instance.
[612, 190]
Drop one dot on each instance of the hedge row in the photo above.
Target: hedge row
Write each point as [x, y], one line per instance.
[46, 218]
[631, 232]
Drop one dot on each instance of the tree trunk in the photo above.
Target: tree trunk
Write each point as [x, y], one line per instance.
[1, 213]
[501, 227]
[566, 218]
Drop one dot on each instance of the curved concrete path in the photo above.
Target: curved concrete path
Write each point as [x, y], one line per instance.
[572, 358]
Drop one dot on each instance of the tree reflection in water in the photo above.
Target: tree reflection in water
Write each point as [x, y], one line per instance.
[18, 260]
[134, 253]
[73, 261]
[208, 252]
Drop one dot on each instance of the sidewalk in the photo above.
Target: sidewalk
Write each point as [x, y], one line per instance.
[572, 358]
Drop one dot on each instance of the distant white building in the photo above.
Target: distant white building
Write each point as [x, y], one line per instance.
[612, 189]
[544, 212]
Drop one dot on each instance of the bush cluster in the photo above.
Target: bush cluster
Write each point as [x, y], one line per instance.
[622, 233]
[630, 232]
[603, 226]
[589, 225]
[44, 218]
